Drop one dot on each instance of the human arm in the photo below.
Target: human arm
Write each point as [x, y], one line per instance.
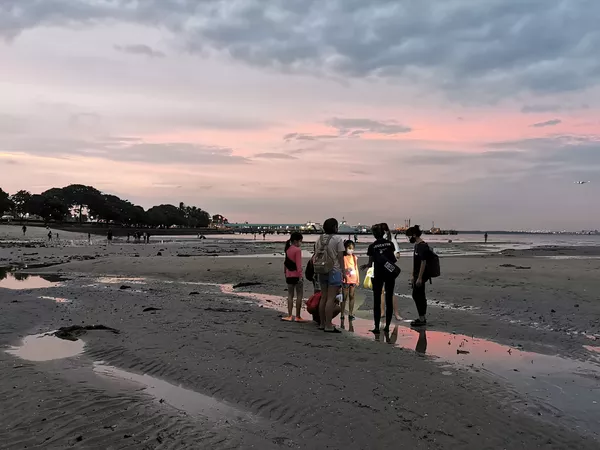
[298, 260]
[370, 255]
[396, 246]
[421, 272]
[422, 251]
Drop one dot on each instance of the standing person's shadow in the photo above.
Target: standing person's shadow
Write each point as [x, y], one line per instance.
[391, 338]
[421, 342]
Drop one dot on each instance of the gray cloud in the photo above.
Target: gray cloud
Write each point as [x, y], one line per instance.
[270, 155]
[129, 150]
[486, 48]
[140, 49]
[10, 124]
[307, 137]
[351, 128]
[356, 127]
[547, 123]
[545, 108]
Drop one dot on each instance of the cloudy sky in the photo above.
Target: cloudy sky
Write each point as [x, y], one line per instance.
[475, 114]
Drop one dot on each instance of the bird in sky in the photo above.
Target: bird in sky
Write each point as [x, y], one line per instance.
[581, 182]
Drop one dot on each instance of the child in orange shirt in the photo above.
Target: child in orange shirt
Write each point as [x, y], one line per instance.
[351, 279]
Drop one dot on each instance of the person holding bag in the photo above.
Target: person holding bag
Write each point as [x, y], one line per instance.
[382, 257]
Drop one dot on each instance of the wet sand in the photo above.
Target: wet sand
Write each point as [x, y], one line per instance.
[199, 365]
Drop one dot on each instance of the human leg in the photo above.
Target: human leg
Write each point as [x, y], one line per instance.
[389, 302]
[377, 293]
[420, 299]
[330, 306]
[291, 289]
[351, 292]
[345, 292]
[323, 280]
[299, 298]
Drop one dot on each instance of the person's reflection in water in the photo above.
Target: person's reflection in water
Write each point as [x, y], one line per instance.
[422, 342]
[351, 326]
[392, 338]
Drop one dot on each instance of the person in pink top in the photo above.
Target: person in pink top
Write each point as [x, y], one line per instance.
[293, 276]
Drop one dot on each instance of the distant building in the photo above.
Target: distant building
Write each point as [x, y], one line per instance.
[218, 220]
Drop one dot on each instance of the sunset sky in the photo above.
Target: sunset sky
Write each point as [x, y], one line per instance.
[472, 114]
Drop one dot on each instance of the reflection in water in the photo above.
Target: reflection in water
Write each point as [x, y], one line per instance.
[55, 299]
[422, 342]
[19, 280]
[46, 347]
[191, 402]
[569, 386]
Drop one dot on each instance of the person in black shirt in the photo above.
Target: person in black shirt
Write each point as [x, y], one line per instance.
[419, 274]
[379, 252]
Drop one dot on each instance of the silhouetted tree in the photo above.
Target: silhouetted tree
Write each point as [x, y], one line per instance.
[6, 203]
[79, 197]
[20, 202]
[166, 215]
[48, 205]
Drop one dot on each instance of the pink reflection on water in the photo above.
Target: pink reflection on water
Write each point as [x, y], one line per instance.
[478, 354]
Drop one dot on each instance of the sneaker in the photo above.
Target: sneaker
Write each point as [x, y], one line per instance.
[419, 323]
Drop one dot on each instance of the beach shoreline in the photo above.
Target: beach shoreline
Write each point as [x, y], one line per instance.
[296, 387]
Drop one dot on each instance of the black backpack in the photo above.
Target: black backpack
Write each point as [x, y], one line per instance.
[433, 264]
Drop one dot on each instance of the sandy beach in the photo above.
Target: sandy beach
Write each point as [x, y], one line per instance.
[510, 359]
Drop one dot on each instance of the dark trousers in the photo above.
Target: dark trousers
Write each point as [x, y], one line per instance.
[418, 295]
[378, 284]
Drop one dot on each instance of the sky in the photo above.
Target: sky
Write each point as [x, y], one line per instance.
[472, 114]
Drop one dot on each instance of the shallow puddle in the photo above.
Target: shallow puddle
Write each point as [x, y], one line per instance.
[19, 281]
[55, 299]
[178, 397]
[117, 280]
[46, 347]
[563, 386]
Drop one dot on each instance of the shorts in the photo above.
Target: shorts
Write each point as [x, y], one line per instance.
[332, 279]
[349, 285]
[295, 284]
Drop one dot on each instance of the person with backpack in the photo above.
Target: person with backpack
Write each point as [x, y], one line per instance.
[293, 276]
[425, 267]
[328, 263]
[382, 257]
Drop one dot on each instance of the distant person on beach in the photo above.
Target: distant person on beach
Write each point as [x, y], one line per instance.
[49, 234]
[419, 274]
[485, 236]
[109, 236]
[89, 238]
[293, 276]
[24, 230]
[382, 257]
[328, 262]
[351, 280]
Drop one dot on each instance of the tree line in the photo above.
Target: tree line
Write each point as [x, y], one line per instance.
[87, 204]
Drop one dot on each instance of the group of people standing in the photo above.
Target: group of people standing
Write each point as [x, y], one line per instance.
[335, 272]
